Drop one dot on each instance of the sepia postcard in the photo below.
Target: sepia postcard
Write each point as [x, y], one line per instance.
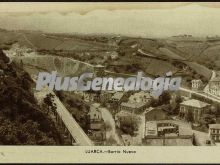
[110, 82]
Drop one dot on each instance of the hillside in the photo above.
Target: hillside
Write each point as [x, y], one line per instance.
[159, 56]
[203, 51]
[187, 57]
[23, 122]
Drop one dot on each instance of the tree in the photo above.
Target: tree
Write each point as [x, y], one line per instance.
[22, 121]
[60, 95]
[49, 101]
[164, 98]
[154, 102]
[178, 100]
[213, 109]
[207, 119]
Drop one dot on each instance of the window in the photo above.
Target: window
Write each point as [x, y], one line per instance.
[213, 131]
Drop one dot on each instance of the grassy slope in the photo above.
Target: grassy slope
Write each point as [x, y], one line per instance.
[167, 50]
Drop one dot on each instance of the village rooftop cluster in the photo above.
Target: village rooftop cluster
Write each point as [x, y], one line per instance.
[189, 116]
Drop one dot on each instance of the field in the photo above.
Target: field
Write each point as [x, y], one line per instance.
[187, 57]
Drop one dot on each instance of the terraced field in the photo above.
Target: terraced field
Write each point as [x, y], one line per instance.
[190, 58]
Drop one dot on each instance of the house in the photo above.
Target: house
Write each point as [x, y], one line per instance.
[90, 96]
[155, 114]
[117, 97]
[123, 117]
[214, 86]
[197, 84]
[95, 112]
[96, 130]
[140, 97]
[168, 133]
[193, 110]
[116, 100]
[214, 132]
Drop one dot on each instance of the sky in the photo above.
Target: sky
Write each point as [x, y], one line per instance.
[130, 19]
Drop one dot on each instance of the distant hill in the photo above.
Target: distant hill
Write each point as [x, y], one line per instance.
[165, 55]
[185, 56]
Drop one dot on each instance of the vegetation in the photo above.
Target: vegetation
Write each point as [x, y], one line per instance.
[129, 125]
[128, 128]
[164, 98]
[177, 55]
[49, 102]
[76, 106]
[22, 120]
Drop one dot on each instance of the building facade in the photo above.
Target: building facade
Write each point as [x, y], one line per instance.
[140, 97]
[167, 133]
[197, 84]
[214, 86]
[214, 133]
[96, 131]
[192, 110]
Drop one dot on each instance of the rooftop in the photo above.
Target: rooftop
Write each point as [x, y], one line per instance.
[184, 128]
[214, 126]
[195, 103]
[149, 109]
[132, 105]
[215, 79]
[140, 95]
[123, 113]
[118, 95]
[94, 108]
[196, 80]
